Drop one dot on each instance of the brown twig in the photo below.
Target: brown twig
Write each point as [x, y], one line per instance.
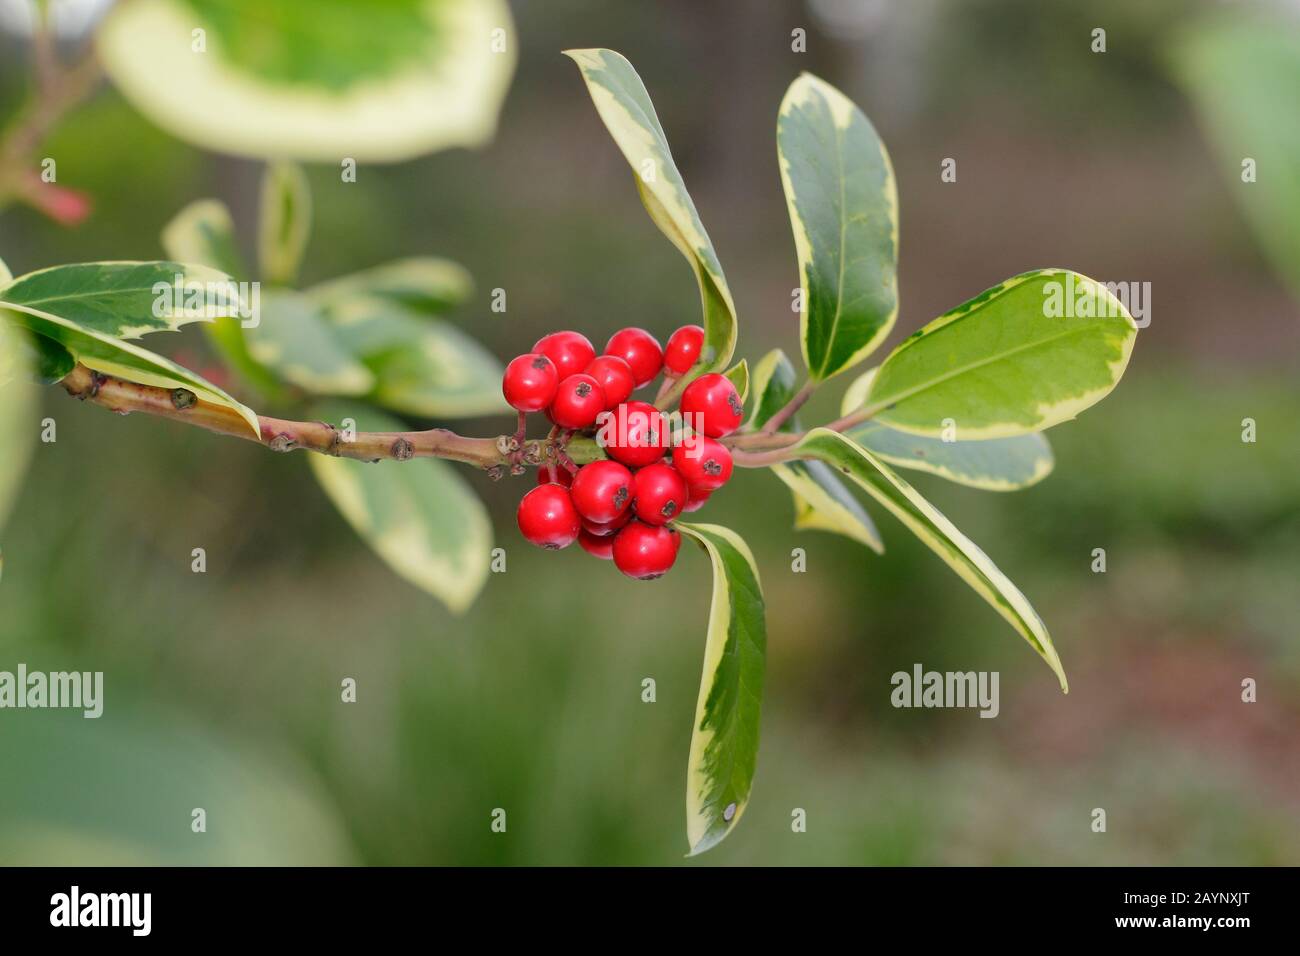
[182, 405]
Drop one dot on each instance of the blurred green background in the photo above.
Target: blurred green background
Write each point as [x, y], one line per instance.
[222, 690]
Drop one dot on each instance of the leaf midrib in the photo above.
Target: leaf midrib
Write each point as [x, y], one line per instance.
[839, 288]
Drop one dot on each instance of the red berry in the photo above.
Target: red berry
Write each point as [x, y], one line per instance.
[602, 491]
[607, 528]
[570, 351]
[529, 382]
[562, 476]
[547, 517]
[635, 433]
[614, 377]
[645, 551]
[577, 402]
[712, 405]
[660, 493]
[640, 350]
[697, 500]
[683, 349]
[704, 463]
[600, 546]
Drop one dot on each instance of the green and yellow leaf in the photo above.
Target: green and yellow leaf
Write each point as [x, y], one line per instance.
[94, 309]
[738, 375]
[995, 464]
[423, 283]
[421, 366]
[18, 419]
[821, 502]
[724, 741]
[419, 516]
[1242, 70]
[296, 342]
[204, 233]
[935, 531]
[18, 422]
[370, 81]
[625, 108]
[1025, 355]
[843, 203]
[284, 223]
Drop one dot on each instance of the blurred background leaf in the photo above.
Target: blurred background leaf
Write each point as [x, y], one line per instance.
[422, 366]
[284, 225]
[1242, 72]
[296, 342]
[382, 81]
[420, 516]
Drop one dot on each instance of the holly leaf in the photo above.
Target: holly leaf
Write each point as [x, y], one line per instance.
[419, 516]
[821, 502]
[936, 532]
[285, 222]
[367, 81]
[724, 740]
[94, 309]
[1029, 353]
[421, 366]
[625, 108]
[843, 203]
[423, 283]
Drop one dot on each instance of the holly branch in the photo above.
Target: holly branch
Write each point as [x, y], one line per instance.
[496, 455]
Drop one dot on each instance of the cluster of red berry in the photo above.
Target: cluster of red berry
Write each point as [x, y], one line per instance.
[619, 508]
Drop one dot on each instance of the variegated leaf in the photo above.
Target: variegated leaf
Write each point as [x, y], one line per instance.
[624, 106]
[284, 223]
[821, 502]
[843, 203]
[936, 532]
[1027, 354]
[94, 309]
[724, 740]
[367, 81]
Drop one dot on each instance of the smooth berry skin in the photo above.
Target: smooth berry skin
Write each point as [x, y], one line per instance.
[705, 464]
[530, 382]
[608, 528]
[578, 401]
[640, 350]
[660, 493]
[683, 349]
[645, 551]
[602, 491]
[711, 404]
[697, 501]
[635, 434]
[570, 351]
[547, 517]
[614, 376]
[562, 476]
[602, 546]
